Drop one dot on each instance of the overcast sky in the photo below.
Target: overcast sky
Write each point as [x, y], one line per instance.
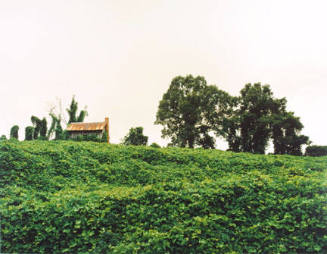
[118, 57]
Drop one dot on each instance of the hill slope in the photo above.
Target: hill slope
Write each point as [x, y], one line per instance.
[87, 197]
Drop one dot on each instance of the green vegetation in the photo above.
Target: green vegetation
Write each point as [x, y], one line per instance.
[40, 129]
[193, 113]
[260, 117]
[316, 151]
[135, 137]
[14, 132]
[86, 197]
[155, 145]
[190, 110]
[91, 137]
[29, 133]
[72, 112]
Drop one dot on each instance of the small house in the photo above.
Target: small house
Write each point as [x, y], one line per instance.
[97, 128]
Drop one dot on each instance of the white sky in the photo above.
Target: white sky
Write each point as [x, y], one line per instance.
[118, 57]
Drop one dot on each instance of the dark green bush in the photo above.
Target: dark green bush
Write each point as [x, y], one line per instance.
[29, 133]
[155, 145]
[86, 197]
[14, 132]
[316, 151]
[135, 137]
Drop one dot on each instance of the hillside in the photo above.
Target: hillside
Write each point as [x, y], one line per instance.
[83, 197]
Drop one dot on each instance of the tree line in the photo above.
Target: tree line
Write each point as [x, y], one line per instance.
[194, 114]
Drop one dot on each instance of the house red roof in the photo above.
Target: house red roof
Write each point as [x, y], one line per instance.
[98, 126]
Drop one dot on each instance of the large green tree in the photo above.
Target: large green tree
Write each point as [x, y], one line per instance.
[135, 137]
[254, 114]
[259, 117]
[191, 112]
[286, 135]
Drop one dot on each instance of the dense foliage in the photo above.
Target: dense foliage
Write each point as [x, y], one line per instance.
[155, 145]
[86, 197]
[14, 132]
[29, 133]
[55, 127]
[40, 128]
[135, 137]
[72, 112]
[316, 151]
[260, 117]
[193, 113]
[191, 110]
[89, 137]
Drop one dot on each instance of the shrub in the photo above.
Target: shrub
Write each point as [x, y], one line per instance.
[316, 151]
[155, 145]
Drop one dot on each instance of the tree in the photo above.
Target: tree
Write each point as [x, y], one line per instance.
[14, 132]
[191, 111]
[259, 117]
[285, 128]
[279, 113]
[314, 150]
[37, 126]
[254, 114]
[232, 132]
[40, 128]
[43, 128]
[288, 140]
[3, 138]
[29, 130]
[55, 127]
[135, 137]
[72, 112]
[52, 128]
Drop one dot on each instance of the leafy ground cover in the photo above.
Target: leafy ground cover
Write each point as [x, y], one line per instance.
[85, 197]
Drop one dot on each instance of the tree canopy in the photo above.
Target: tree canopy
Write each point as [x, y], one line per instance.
[189, 112]
[193, 113]
[135, 137]
[260, 117]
